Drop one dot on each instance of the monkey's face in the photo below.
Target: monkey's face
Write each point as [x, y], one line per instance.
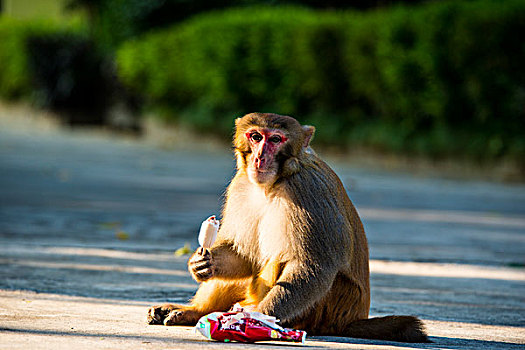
[262, 163]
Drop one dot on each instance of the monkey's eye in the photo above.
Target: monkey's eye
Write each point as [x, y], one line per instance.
[276, 139]
[255, 136]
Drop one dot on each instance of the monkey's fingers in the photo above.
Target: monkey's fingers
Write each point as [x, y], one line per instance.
[204, 273]
[198, 257]
[196, 266]
[203, 252]
[200, 265]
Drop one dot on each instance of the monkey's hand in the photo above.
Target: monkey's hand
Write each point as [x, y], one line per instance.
[201, 265]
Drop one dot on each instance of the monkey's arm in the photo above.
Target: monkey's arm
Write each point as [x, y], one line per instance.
[298, 288]
[221, 261]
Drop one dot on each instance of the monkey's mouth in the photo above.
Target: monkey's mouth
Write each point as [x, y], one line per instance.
[255, 168]
[260, 168]
[261, 176]
[262, 171]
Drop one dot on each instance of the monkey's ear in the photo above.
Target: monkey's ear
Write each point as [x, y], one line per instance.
[308, 134]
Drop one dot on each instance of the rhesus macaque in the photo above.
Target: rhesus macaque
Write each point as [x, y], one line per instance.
[290, 244]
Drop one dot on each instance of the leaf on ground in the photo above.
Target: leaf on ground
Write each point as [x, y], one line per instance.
[123, 236]
[183, 250]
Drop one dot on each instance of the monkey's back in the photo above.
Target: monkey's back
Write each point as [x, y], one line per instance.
[337, 217]
[338, 225]
[359, 256]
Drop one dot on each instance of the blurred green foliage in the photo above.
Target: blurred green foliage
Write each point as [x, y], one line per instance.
[15, 75]
[441, 79]
[70, 76]
[114, 21]
[438, 79]
[55, 66]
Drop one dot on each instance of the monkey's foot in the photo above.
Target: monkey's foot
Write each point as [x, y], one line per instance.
[184, 316]
[157, 313]
[172, 314]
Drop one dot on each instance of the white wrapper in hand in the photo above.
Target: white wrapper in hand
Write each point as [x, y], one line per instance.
[208, 232]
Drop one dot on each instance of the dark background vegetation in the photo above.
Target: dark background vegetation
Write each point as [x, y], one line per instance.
[439, 79]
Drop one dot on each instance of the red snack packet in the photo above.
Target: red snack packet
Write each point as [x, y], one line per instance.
[246, 327]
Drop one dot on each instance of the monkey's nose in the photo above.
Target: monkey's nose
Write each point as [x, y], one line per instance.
[260, 162]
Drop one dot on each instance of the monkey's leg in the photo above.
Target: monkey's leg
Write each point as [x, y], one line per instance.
[213, 295]
[261, 285]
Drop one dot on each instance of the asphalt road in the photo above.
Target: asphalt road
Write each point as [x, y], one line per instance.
[96, 217]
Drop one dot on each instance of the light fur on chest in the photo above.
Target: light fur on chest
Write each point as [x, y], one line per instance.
[265, 224]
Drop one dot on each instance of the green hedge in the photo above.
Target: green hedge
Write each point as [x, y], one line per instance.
[442, 79]
[16, 75]
[55, 66]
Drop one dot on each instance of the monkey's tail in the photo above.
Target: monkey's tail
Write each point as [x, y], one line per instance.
[396, 328]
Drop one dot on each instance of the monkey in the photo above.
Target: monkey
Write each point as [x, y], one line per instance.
[290, 244]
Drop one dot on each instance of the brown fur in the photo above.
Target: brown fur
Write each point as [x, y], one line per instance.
[292, 247]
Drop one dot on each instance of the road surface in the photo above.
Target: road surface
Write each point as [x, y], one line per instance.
[89, 224]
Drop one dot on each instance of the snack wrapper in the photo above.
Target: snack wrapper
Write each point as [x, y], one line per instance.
[208, 232]
[246, 327]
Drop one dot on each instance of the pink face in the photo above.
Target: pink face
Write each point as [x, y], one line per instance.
[264, 143]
